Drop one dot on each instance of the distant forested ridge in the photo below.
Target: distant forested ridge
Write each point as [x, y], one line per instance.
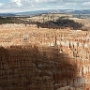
[60, 23]
[4, 20]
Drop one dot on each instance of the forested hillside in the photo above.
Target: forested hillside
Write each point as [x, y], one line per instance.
[5, 20]
[60, 23]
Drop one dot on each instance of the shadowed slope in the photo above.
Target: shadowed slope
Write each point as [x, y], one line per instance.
[34, 68]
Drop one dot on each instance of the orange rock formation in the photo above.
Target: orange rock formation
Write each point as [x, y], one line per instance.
[44, 59]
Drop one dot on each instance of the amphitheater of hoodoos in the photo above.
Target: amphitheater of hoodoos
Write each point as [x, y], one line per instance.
[34, 58]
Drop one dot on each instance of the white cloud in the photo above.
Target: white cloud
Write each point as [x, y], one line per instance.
[71, 4]
[86, 3]
[1, 4]
[18, 2]
[76, 0]
[44, 1]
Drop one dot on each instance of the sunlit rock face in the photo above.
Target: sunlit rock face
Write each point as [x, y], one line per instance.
[34, 58]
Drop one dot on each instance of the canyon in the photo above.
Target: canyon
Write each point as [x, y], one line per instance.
[35, 58]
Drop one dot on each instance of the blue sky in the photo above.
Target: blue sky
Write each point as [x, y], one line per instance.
[29, 5]
[4, 1]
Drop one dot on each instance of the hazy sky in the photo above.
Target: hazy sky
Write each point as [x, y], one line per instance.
[29, 5]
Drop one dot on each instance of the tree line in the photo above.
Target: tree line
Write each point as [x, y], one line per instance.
[60, 23]
[4, 20]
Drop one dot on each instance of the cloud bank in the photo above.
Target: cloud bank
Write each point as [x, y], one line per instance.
[30, 5]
